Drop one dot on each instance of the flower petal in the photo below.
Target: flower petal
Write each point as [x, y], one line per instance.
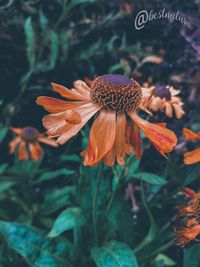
[36, 151]
[17, 130]
[163, 139]
[48, 141]
[190, 134]
[22, 151]
[192, 157]
[85, 111]
[69, 94]
[102, 137]
[13, 144]
[135, 140]
[54, 105]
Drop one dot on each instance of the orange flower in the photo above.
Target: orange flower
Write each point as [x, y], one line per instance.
[115, 132]
[27, 140]
[164, 98]
[193, 156]
[190, 214]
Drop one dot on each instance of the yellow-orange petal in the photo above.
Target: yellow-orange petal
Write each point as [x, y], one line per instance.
[109, 158]
[22, 151]
[120, 145]
[190, 134]
[54, 105]
[17, 130]
[69, 94]
[13, 144]
[36, 151]
[163, 139]
[48, 141]
[85, 111]
[192, 157]
[102, 137]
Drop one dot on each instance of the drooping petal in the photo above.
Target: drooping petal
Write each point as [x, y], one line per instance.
[69, 94]
[190, 134]
[102, 137]
[178, 110]
[192, 232]
[54, 120]
[120, 145]
[135, 140]
[109, 158]
[22, 151]
[85, 111]
[169, 110]
[192, 157]
[17, 130]
[48, 141]
[13, 144]
[163, 139]
[36, 150]
[54, 105]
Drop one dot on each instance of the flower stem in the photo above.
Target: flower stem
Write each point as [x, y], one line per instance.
[95, 196]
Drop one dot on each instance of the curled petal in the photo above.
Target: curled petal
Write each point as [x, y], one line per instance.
[86, 112]
[192, 232]
[36, 151]
[69, 94]
[72, 117]
[169, 110]
[190, 134]
[82, 88]
[136, 140]
[163, 139]
[54, 105]
[192, 157]
[22, 151]
[102, 137]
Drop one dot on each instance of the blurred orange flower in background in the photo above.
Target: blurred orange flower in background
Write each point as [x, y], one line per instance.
[190, 214]
[164, 98]
[27, 141]
[193, 156]
[114, 99]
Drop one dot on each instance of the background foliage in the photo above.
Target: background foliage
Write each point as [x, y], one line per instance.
[55, 212]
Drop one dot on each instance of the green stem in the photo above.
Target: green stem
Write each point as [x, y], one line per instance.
[95, 197]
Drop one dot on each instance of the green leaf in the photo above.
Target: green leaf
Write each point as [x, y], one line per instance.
[166, 261]
[3, 132]
[30, 42]
[6, 185]
[53, 174]
[150, 178]
[114, 254]
[191, 256]
[31, 244]
[68, 219]
[56, 199]
[3, 167]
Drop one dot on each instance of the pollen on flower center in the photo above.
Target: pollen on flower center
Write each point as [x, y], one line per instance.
[29, 134]
[116, 92]
[162, 92]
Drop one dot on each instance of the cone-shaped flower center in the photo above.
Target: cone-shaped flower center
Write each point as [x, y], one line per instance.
[162, 92]
[116, 92]
[29, 134]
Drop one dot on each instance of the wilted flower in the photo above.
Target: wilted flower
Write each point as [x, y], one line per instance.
[193, 156]
[190, 214]
[27, 140]
[164, 98]
[115, 132]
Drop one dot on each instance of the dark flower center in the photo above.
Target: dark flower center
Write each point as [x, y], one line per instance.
[116, 92]
[30, 134]
[162, 92]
